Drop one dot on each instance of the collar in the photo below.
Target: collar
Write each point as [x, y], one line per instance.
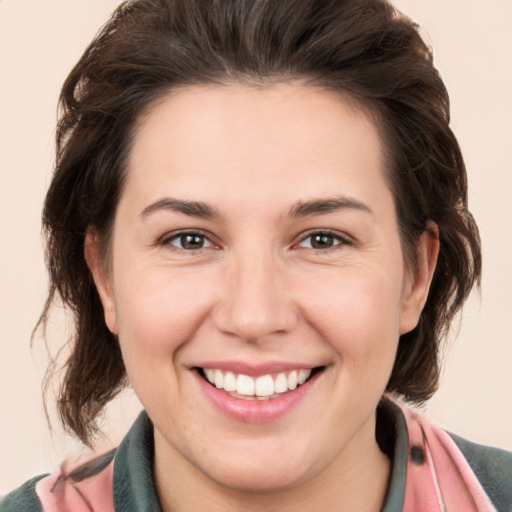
[429, 472]
[134, 487]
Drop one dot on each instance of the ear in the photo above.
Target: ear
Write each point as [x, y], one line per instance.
[102, 279]
[418, 279]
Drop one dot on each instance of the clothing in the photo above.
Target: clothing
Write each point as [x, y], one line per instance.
[431, 470]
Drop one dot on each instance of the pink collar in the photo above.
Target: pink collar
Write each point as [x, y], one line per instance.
[438, 476]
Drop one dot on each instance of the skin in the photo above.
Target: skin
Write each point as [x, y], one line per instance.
[258, 291]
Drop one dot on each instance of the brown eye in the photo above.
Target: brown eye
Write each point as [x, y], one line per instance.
[189, 241]
[322, 240]
[192, 241]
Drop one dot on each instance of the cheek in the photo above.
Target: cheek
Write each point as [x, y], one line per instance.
[358, 314]
[158, 311]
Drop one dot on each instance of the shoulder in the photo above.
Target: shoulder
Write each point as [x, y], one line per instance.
[493, 468]
[85, 484]
[88, 483]
[446, 467]
[24, 498]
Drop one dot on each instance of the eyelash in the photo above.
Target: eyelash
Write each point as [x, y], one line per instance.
[339, 240]
[168, 239]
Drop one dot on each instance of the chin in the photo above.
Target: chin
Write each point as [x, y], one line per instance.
[262, 469]
[259, 478]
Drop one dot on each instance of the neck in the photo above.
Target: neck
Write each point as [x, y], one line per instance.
[357, 480]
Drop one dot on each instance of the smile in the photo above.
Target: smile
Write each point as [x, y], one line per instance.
[263, 387]
[252, 394]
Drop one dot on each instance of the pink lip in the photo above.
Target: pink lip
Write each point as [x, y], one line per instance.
[254, 370]
[255, 411]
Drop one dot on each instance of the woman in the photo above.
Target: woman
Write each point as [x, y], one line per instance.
[259, 218]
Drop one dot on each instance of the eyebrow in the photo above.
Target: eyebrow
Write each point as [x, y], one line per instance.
[300, 209]
[325, 206]
[190, 208]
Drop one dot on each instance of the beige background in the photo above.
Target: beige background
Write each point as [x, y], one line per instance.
[39, 42]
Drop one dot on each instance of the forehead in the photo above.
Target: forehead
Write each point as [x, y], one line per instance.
[225, 139]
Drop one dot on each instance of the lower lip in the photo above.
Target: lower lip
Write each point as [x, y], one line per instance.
[256, 411]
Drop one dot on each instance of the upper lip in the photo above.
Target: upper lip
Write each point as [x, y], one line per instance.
[242, 367]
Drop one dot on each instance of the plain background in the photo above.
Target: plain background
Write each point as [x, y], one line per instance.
[40, 40]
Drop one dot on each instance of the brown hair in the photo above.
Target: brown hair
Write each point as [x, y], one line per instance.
[361, 48]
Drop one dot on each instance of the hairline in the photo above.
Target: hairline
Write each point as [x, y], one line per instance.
[372, 110]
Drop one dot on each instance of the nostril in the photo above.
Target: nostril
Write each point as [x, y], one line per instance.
[254, 312]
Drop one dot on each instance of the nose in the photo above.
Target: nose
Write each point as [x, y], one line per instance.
[255, 302]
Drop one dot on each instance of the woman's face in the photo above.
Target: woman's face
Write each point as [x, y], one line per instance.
[256, 243]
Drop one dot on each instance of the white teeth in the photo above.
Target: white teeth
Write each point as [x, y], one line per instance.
[229, 382]
[262, 387]
[281, 384]
[245, 385]
[292, 380]
[210, 375]
[303, 376]
[219, 379]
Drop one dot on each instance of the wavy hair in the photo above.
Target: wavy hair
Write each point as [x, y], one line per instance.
[363, 49]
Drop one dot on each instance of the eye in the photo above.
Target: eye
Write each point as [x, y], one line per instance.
[188, 241]
[322, 240]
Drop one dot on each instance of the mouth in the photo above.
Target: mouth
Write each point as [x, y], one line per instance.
[263, 387]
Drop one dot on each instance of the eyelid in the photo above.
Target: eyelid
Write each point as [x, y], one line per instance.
[166, 239]
[342, 238]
